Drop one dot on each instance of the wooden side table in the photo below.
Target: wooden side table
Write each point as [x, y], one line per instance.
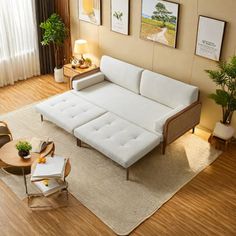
[219, 143]
[35, 195]
[70, 72]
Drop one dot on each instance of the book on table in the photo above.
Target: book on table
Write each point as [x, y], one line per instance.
[38, 145]
[54, 168]
[52, 186]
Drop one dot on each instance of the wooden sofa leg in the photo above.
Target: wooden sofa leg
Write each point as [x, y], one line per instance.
[79, 143]
[41, 116]
[193, 130]
[127, 174]
[163, 148]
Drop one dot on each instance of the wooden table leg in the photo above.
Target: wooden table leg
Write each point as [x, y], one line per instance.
[25, 182]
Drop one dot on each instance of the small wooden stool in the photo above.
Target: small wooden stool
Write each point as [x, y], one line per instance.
[219, 143]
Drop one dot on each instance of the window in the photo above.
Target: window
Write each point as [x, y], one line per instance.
[18, 40]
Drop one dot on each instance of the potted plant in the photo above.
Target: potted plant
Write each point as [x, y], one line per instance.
[225, 96]
[23, 148]
[55, 33]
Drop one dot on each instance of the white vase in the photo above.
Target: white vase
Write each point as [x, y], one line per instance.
[223, 131]
[58, 75]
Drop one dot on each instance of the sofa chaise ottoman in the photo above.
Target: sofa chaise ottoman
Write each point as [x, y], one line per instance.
[68, 111]
[120, 140]
[131, 110]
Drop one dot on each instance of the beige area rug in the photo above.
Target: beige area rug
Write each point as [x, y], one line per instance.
[100, 185]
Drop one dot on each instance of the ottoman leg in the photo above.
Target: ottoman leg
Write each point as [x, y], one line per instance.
[41, 116]
[79, 143]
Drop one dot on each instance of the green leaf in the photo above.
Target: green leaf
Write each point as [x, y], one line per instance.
[225, 77]
[23, 146]
[220, 97]
[54, 30]
[55, 33]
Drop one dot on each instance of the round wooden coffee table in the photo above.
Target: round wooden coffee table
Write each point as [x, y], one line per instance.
[9, 155]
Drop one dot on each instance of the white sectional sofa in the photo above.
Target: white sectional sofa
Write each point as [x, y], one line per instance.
[124, 111]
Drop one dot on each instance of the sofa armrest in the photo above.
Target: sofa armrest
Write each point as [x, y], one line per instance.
[182, 122]
[160, 123]
[88, 81]
[85, 74]
[2, 123]
[5, 130]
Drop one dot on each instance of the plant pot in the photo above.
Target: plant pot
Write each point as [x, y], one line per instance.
[223, 131]
[58, 75]
[23, 154]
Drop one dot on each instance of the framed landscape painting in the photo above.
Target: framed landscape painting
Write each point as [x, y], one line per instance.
[120, 16]
[90, 11]
[160, 21]
[210, 37]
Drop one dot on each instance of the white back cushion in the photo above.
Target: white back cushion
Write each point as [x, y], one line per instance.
[167, 91]
[124, 74]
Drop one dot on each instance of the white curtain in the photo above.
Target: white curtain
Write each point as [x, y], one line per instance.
[19, 56]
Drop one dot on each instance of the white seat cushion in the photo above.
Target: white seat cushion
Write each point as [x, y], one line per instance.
[121, 73]
[130, 106]
[68, 111]
[167, 91]
[118, 139]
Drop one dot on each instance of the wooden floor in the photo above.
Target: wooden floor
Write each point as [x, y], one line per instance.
[29, 91]
[205, 206]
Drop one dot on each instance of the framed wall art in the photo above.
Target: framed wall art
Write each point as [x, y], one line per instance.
[160, 21]
[120, 16]
[210, 37]
[90, 11]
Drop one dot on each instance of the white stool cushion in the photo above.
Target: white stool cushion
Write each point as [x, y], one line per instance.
[118, 139]
[68, 111]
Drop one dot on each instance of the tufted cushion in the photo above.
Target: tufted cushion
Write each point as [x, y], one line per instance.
[118, 139]
[68, 111]
[167, 91]
[119, 72]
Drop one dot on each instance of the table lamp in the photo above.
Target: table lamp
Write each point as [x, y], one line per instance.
[80, 48]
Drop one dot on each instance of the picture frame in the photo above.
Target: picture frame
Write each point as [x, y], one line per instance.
[210, 36]
[159, 22]
[90, 11]
[120, 16]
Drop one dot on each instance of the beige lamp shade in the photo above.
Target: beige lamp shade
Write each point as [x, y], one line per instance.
[80, 47]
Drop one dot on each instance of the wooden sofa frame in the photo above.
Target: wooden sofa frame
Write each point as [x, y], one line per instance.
[175, 126]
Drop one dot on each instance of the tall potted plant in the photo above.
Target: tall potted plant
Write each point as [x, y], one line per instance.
[225, 96]
[55, 33]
